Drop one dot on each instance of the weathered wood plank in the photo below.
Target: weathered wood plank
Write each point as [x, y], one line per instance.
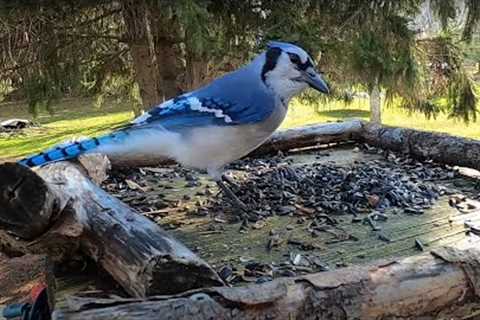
[408, 288]
[438, 226]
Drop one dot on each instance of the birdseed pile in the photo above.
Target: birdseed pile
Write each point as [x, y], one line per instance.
[319, 197]
[275, 187]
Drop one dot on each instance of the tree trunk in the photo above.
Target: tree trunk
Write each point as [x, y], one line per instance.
[166, 32]
[136, 18]
[375, 105]
[408, 288]
[61, 210]
[196, 72]
[440, 147]
[167, 58]
[145, 75]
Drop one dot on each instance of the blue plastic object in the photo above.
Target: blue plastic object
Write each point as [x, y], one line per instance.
[15, 310]
[39, 310]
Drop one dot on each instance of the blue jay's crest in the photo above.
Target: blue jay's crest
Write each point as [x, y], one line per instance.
[297, 55]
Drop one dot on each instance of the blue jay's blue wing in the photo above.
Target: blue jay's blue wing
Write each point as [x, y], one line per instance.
[200, 110]
[237, 98]
[179, 114]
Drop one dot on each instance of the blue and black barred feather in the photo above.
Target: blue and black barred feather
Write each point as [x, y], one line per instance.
[70, 150]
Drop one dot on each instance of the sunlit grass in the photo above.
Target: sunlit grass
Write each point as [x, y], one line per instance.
[300, 114]
[74, 118]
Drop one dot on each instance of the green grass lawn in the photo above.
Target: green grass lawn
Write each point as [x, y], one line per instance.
[75, 118]
[393, 116]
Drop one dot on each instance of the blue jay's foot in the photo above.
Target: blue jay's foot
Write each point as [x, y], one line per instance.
[230, 194]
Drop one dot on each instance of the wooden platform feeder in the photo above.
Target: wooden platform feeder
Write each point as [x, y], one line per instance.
[59, 210]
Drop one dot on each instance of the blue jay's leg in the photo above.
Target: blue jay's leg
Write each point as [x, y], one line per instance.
[234, 199]
[229, 180]
[220, 179]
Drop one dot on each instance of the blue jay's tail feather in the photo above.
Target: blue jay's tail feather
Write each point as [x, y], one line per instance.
[70, 150]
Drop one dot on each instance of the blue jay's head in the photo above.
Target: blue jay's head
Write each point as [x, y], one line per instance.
[288, 70]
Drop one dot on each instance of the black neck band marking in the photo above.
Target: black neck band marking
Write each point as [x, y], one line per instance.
[271, 58]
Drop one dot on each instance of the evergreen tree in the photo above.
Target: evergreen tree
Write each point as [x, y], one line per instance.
[54, 48]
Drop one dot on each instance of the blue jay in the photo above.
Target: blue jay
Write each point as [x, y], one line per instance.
[214, 125]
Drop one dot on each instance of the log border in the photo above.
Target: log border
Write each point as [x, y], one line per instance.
[410, 287]
[439, 147]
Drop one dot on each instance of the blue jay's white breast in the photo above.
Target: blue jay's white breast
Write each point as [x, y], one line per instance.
[213, 147]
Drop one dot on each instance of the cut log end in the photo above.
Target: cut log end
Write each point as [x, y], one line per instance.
[27, 206]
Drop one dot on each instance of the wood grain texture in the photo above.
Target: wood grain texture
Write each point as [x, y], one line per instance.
[409, 288]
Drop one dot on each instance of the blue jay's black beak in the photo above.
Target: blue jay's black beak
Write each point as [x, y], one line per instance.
[316, 81]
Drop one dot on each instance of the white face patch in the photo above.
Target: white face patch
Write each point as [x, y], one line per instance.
[281, 78]
[196, 105]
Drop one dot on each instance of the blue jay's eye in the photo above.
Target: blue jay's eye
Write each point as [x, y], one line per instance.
[294, 58]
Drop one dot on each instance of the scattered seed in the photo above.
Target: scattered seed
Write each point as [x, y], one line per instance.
[419, 245]
[383, 237]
